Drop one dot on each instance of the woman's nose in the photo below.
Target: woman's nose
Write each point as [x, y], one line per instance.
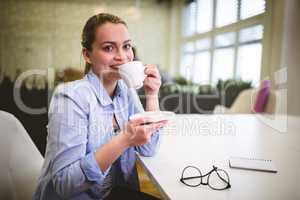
[121, 55]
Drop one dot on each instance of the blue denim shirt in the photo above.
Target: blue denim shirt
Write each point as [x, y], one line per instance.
[80, 122]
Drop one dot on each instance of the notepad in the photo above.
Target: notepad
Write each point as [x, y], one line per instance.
[252, 164]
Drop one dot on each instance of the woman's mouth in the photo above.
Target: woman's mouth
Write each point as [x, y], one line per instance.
[115, 67]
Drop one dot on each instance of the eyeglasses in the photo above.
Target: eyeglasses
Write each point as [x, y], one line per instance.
[217, 179]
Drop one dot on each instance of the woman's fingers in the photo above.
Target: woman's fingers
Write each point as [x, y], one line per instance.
[152, 83]
[151, 70]
[152, 80]
[137, 120]
[150, 128]
[140, 130]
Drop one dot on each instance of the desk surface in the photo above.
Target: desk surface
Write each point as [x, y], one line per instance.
[206, 140]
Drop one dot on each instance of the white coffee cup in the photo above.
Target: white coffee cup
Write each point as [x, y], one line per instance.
[133, 74]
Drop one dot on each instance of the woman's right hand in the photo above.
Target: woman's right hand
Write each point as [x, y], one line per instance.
[138, 131]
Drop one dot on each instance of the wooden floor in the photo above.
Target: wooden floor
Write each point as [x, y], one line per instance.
[146, 184]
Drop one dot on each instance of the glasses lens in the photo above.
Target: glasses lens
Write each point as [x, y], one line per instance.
[191, 176]
[218, 180]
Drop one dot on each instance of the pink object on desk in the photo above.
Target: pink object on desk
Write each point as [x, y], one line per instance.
[262, 96]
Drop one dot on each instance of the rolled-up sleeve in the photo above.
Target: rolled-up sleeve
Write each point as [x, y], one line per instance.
[73, 169]
[91, 168]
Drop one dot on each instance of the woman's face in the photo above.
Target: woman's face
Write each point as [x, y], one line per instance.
[111, 48]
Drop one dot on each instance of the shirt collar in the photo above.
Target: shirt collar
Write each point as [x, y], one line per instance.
[101, 92]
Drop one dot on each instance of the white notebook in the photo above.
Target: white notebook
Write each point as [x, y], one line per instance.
[252, 164]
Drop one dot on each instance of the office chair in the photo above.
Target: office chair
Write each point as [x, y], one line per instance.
[20, 160]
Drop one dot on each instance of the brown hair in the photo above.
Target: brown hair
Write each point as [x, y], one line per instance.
[89, 30]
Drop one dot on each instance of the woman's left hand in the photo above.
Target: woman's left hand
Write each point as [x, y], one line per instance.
[152, 82]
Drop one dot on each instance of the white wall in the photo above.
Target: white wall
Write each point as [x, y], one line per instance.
[291, 54]
[283, 47]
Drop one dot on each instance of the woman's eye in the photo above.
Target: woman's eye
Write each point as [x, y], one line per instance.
[108, 48]
[127, 46]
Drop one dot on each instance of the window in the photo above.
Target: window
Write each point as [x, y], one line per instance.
[189, 24]
[251, 8]
[204, 15]
[223, 64]
[226, 12]
[201, 69]
[222, 39]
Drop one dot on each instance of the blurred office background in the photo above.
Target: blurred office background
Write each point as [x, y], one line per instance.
[215, 56]
[208, 52]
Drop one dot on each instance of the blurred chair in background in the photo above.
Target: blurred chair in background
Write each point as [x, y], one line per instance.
[260, 100]
[20, 161]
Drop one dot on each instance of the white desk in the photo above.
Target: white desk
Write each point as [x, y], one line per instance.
[206, 140]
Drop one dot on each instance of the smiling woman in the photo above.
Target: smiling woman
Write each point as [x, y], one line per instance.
[89, 32]
[92, 144]
[106, 43]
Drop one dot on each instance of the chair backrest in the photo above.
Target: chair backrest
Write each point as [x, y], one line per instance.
[20, 160]
[244, 102]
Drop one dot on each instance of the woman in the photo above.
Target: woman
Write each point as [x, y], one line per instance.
[91, 143]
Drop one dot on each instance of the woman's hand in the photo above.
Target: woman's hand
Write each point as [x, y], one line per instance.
[138, 131]
[152, 82]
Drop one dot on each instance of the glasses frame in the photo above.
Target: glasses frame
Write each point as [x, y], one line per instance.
[215, 169]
